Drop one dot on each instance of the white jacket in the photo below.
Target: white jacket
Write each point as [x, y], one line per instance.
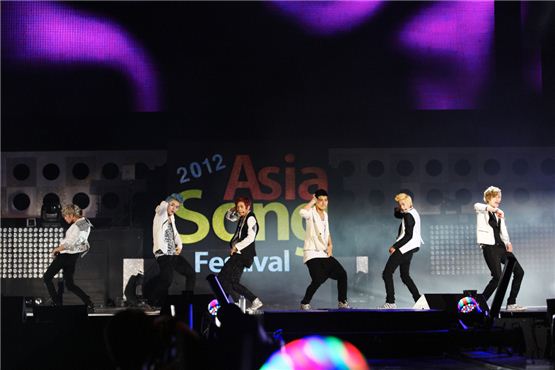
[484, 232]
[76, 238]
[416, 239]
[316, 238]
[159, 226]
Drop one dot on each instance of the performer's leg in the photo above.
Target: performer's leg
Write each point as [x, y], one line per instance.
[318, 276]
[52, 270]
[391, 265]
[165, 279]
[236, 278]
[493, 260]
[404, 268]
[518, 274]
[232, 268]
[183, 267]
[69, 270]
[337, 272]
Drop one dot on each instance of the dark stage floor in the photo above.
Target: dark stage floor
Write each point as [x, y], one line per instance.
[389, 339]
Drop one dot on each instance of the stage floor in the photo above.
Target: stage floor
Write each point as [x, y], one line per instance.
[531, 311]
[383, 336]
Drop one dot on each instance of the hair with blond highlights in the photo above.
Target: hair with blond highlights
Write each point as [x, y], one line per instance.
[491, 192]
[72, 210]
[403, 196]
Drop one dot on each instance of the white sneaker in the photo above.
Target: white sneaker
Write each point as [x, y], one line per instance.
[256, 304]
[305, 307]
[388, 306]
[515, 307]
[343, 305]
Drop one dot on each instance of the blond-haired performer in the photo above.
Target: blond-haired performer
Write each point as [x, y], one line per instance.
[493, 238]
[74, 244]
[167, 247]
[400, 254]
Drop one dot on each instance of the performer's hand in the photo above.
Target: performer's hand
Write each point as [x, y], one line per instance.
[313, 200]
[56, 250]
[391, 250]
[500, 213]
[178, 249]
[329, 251]
[233, 250]
[509, 248]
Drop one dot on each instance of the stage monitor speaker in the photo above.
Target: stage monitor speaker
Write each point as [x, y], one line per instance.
[13, 310]
[446, 302]
[66, 314]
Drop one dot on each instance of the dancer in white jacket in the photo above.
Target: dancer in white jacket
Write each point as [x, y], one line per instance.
[493, 238]
[167, 246]
[66, 254]
[407, 243]
[318, 248]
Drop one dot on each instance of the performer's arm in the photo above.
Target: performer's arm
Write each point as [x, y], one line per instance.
[162, 208]
[178, 242]
[305, 211]
[505, 237]
[67, 243]
[397, 212]
[481, 208]
[409, 227]
[232, 215]
[330, 246]
[251, 234]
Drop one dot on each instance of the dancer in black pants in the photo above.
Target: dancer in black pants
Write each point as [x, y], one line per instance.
[318, 251]
[66, 254]
[400, 254]
[242, 253]
[493, 237]
[167, 248]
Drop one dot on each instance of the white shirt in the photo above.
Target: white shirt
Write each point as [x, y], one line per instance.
[317, 234]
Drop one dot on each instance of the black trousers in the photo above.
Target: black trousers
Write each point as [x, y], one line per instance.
[495, 256]
[398, 259]
[167, 265]
[322, 269]
[230, 277]
[65, 262]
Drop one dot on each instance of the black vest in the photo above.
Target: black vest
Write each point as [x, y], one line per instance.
[496, 226]
[241, 233]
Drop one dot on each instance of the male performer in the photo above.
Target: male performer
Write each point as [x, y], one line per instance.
[67, 253]
[494, 240]
[242, 253]
[167, 249]
[400, 254]
[318, 248]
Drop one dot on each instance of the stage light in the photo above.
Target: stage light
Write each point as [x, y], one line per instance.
[213, 307]
[467, 305]
[317, 353]
[51, 211]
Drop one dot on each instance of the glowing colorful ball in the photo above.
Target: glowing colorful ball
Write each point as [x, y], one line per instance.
[317, 353]
[213, 307]
[467, 305]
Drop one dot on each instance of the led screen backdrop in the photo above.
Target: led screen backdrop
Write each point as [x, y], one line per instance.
[444, 182]
[280, 177]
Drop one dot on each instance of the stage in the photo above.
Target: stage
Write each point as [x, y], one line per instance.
[400, 337]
